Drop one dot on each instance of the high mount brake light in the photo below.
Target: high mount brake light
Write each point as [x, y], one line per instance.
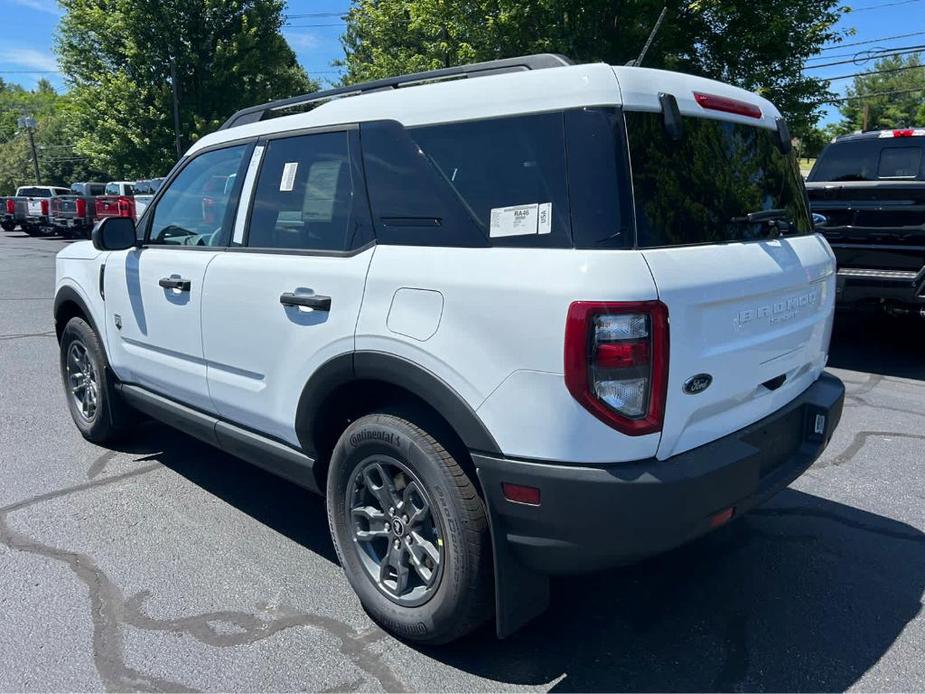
[616, 362]
[727, 105]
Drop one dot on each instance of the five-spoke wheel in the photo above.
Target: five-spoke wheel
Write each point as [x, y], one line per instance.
[82, 380]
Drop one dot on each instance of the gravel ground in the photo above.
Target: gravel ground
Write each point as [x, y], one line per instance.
[168, 565]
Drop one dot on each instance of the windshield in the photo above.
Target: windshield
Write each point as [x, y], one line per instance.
[701, 189]
[869, 160]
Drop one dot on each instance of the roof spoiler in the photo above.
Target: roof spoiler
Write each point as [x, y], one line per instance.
[254, 114]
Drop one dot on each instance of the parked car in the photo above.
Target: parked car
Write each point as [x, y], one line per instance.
[73, 215]
[870, 190]
[510, 326]
[8, 213]
[118, 200]
[144, 194]
[35, 201]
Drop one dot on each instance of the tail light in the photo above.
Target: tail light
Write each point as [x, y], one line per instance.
[126, 207]
[44, 208]
[616, 362]
[10, 206]
[81, 207]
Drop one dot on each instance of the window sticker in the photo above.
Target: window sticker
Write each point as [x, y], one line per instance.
[288, 180]
[521, 220]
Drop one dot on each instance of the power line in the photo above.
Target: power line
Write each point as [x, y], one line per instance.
[870, 55]
[866, 8]
[873, 72]
[863, 43]
[303, 26]
[870, 95]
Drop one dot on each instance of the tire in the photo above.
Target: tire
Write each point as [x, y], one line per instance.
[31, 230]
[6, 226]
[99, 411]
[459, 597]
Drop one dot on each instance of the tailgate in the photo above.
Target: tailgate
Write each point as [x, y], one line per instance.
[64, 207]
[756, 317]
[107, 206]
[34, 208]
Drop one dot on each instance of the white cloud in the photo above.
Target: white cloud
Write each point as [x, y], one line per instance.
[49, 6]
[28, 58]
[302, 41]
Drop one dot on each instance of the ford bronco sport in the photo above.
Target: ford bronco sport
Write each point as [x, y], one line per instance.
[513, 319]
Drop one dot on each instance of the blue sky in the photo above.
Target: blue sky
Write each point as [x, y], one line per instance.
[313, 28]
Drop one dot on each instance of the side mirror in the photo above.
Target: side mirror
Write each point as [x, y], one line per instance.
[113, 234]
[819, 220]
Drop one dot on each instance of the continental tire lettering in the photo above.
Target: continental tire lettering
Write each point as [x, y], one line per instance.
[373, 435]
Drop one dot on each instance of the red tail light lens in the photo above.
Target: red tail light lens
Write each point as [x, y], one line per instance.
[44, 208]
[727, 105]
[616, 362]
[81, 207]
[10, 207]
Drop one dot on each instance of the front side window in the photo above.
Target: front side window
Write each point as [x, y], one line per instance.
[702, 188]
[196, 209]
[306, 195]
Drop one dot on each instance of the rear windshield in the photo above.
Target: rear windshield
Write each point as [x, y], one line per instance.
[699, 190]
[869, 160]
[34, 192]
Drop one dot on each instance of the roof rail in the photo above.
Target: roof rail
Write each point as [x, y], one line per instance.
[539, 61]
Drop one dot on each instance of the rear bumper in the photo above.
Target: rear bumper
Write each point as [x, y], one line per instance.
[860, 285]
[595, 517]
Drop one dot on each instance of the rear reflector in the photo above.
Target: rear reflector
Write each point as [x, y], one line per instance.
[724, 516]
[521, 494]
[727, 105]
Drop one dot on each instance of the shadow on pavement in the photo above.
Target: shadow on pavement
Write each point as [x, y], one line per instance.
[879, 344]
[803, 594]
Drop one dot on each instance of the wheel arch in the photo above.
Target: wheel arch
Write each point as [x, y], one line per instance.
[70, 304]
[357, 383]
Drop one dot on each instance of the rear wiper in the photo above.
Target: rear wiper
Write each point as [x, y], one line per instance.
[778, 220]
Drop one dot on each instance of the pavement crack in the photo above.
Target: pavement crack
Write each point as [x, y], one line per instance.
[109, 610]
[857, 444]
[47, 333]
[860, 400]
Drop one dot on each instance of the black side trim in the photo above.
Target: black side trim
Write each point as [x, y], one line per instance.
[66, 294]
[272, 456]
[397, 371]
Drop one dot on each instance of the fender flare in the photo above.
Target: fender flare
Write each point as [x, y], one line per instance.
[68, 293]
[397, 371]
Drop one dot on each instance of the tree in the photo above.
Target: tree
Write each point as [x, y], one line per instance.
[116, 56]
[903, 104]
[761, 46]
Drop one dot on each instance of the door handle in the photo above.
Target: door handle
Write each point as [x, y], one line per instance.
[175, 283]
[315, 301]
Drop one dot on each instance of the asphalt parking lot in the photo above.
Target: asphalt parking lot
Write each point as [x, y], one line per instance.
[168, 565]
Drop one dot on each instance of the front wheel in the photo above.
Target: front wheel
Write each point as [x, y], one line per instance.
[410, 530]
[99, 412]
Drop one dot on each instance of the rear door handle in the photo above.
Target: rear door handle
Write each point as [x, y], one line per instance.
[175, 283]
[315, 301]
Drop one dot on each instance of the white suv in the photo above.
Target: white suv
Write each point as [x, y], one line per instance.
[514, 319]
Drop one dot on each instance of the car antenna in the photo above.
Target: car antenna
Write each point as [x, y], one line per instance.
[645, 48]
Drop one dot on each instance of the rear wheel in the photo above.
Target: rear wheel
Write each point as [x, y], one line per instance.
[410, 530]
[7, 226]
[99, 412]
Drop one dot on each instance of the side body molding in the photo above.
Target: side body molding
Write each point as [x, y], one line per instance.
[396, 371]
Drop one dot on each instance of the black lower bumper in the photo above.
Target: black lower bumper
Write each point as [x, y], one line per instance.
[593, 517]
[859, 286]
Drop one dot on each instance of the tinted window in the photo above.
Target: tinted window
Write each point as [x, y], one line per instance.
[305, 196]
[112, 189]
[868, 159]
[196, 208]
[97, 189]
[509, 172]
[899, 162]
[700, 189]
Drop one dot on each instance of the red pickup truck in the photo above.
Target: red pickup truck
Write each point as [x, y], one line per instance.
[118, 200]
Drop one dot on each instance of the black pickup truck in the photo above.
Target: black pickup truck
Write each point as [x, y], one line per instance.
[73, 215]
[870, 188]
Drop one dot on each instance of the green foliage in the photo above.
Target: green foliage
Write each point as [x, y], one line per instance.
[116, 57]
[58, 162]
[906, 108]
[761, 46]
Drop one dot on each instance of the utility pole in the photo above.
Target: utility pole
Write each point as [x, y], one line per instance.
[29, 123]
[176, 106]
[866, 120]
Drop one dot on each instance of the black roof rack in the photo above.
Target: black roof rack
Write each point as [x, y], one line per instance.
[540, 61]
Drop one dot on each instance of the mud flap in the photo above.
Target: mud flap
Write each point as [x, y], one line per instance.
[520, 593]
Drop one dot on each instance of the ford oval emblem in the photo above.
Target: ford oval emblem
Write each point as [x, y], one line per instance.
[697, 384]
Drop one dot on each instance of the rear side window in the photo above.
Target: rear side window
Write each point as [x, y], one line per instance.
[509, 172]
[309, 196]
[899, 162]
